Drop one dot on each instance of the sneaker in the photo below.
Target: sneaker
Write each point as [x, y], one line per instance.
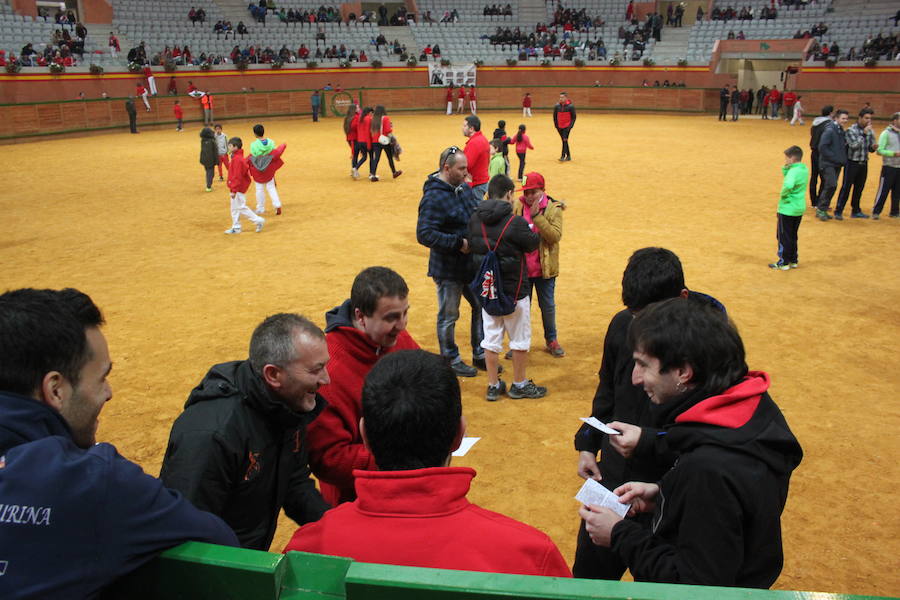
[838, 216]
[529, 390]
[260, 211]
[555, 349]
[480, 364]
[495, 391]
[793, 265]
[354, 173]
[233, 230]
[463, 370]
[876, 216]
[397, 174]
[822, 215]
[373, 178]
[779, 266]
[209, 189]
[277, 211]
[859, 215]
[221, 178]
[259, 226]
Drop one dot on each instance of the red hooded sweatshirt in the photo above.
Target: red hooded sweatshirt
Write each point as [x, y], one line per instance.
[238, 172]
[262, 168]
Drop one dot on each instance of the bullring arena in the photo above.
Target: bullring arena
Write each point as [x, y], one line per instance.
[126, 219]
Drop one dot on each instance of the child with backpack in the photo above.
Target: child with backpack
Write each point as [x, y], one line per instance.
[523, 144]
[499, 241]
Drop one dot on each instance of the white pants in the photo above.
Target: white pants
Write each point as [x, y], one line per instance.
[526, 111]
[459, 105]
[238, 208]
[798, 116]
[112, 50]
[517, 325]
[261, 189]
[144, 98]
[151, 83]
[472, 106]
[450, 107]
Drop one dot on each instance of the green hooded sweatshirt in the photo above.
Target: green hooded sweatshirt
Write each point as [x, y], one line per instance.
[793, 190]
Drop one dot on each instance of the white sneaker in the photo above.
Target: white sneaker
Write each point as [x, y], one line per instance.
[259, 225]
[354, 173]
[260, 211]
[233, 230]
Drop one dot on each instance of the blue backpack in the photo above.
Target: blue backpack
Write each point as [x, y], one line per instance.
[488, 283]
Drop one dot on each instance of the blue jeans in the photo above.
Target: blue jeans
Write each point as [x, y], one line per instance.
[546, 289]
[449, 293]
[480, 191]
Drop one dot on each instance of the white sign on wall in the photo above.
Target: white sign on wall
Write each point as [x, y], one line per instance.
[442, 76]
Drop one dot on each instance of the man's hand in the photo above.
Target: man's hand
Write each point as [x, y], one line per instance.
[598, 522]
[465, 246]
[535, 208]
[627, 441]
[587, 466]
[641, 496]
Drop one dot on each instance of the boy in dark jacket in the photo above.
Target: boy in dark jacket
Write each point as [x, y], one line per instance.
[494, 224]
[209, 157]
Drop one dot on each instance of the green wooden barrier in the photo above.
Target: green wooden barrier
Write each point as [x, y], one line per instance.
[206, 572]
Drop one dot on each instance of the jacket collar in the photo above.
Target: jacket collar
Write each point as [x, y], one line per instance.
[24, 419]
[262, 399]
[424, 492]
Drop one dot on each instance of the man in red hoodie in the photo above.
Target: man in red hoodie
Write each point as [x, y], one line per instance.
[478, 155]
[414, 510]
[367, 326]
[238, 182]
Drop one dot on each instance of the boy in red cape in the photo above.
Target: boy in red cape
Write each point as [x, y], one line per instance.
[265, 159]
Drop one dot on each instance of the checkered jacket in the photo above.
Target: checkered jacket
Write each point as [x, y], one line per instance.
[859, 143]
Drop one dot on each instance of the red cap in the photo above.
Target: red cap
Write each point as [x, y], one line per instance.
[533, 181]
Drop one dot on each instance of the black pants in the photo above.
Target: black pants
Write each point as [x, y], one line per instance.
[377, 149]
[723, 110]
[564, 136]
[830, 174]
[814, 177]
[360, 154]
[854, 177]
[521, 156]
[210, 171]
[787, 237]
[888, 182]
[315, 111]
[132, 122]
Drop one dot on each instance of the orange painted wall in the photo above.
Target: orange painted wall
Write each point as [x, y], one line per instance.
[96, 11]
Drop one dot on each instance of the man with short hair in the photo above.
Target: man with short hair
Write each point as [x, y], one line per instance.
[413, 511]
[444, 211]
[832, 158]
[359, 332]
[564, 120]
[478, 155]
[860, 142]
[239, 450]
[74, 515]
[717, 511]
[889, 181]
[815, 135]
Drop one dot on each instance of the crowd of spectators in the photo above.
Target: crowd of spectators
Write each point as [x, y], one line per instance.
[575, 20]
[323, 14]
[880, 47]
[666, 83]
[747, 13]
[62, 49]
[197, 15]
[495, 10]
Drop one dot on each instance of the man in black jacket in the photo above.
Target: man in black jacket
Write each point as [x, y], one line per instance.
[564, 120]
[239, 450]
[494, 226]
[132, 114]
[717, 511]
[815, 135]
[832, 158]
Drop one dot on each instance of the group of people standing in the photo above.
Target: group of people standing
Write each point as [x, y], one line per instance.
[370, 133]
[768, 101]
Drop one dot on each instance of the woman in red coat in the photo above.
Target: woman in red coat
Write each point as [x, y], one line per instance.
[380, 131]
[363, 145]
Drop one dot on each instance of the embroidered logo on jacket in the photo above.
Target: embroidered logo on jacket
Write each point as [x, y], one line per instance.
[254, 466]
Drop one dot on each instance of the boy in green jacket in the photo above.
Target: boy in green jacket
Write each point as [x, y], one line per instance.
[791, 206]
[497, 164]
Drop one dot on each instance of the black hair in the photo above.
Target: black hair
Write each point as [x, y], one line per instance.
[375, 126]
[474, 122]
[43, 331]
[499, 186]
[497, 143]
[827, 110]
[840, 112]
[681, 332]
[520, 133]
[866, 111]
[501, 124]
[794, 152]
[236, 142]
[373, 284]
[652, 274]
[411, 409]
[259, 130]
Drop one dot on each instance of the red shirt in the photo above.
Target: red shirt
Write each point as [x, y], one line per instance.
[471, 94]
[303, 52]
[238, 171]
[449, 94]
[386, 126]
[363, 130]
[335, 444]
[354, 122]
[179, 113]
[141, 90]
[462, 93]
[478, 154]
[422, 518]
[148, 72]
[526, 101]
[790, 98]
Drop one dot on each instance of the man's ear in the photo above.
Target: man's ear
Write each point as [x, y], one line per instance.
[362, 433]
[271, 374]
[460, 434]
[685, 373]
[684, 293]
[55, 390]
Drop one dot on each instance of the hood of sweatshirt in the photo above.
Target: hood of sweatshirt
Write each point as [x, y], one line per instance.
[820, 120]
[208, 133]
[24, 420]
[491, 212]
[435, 184]
[352, 340]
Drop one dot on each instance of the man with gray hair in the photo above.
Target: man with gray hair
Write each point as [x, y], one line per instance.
[239, 448]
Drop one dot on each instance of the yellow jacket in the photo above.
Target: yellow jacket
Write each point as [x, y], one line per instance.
[549, 223]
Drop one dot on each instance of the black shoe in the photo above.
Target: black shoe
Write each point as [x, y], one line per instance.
[838, 216]
[859, 215]
[463, 370]
[480, 364]
[529, 390]
[495, 391]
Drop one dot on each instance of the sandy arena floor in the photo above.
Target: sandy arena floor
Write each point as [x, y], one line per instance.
[127, 220]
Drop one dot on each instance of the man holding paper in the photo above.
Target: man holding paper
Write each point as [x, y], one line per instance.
[717, 511]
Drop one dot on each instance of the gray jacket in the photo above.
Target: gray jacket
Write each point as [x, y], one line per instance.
[833, 147]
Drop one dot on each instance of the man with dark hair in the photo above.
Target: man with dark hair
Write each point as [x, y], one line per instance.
[444, 211]
[359, 332]
[564, 120]
[414, 511]
[74, 515]
[238, 450]
[791, 206]
[889, 180]
[478, 155]
[815, 135]
[132, 114]
[717, 511]
[832, 158]
[724, 97]
[860, 142]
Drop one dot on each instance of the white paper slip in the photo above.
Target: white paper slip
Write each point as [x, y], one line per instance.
[597, 424]
[596, 495]
[465, 446]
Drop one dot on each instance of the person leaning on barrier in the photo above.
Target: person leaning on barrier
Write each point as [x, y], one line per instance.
[74, 514]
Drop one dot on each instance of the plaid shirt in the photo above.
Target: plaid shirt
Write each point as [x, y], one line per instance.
[859, 143]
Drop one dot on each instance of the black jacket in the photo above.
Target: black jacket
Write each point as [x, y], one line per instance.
[515, 243]
[240, 453]
[718, 512]
[129, 108]
[209, 156]
[833, 146]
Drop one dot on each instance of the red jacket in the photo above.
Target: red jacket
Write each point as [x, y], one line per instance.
[386, 126]
[526, 101]
[462, 93]
[471, 94]
[354, 122]
[363, 133]
[449, 94]
[148, 72]
[238, 172]
[774, 96]
[789, 99]
[478, 154]
[335, 445]
[268, 172]
[179, 113]
[422, 518]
